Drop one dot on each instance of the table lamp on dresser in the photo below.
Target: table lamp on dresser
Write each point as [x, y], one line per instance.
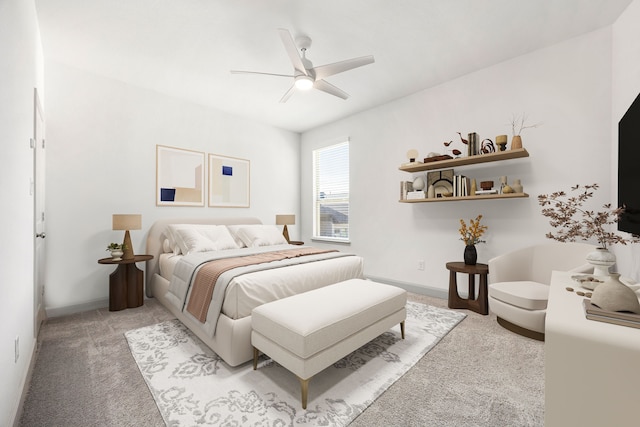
[127, 222]
[285, 220]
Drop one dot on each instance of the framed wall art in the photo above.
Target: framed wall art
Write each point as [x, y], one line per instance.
[179, 177]
[229, 185]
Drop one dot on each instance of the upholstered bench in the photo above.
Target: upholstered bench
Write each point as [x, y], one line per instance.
[308, 332]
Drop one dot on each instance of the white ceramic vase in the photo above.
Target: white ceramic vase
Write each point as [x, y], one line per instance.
[601, 259]
[116, 254]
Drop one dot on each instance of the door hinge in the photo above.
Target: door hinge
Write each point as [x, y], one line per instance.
[43, 143]
[32, 143]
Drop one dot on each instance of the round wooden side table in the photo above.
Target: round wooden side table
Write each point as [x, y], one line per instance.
[479, 305]
[126, 283]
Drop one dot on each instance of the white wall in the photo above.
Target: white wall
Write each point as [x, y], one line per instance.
[20, 73]
[626, 86]
[566, 86]
[101, 160]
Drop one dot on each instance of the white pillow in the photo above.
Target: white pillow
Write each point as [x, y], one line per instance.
[192, 238]
[261, 235]
[166, 246]
[234, 232]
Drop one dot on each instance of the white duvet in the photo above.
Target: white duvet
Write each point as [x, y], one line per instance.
[239, 291]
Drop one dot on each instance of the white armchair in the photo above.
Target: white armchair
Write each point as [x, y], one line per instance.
[519, 283]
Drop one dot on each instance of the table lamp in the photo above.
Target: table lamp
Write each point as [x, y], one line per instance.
[127, 222]
[285, 220]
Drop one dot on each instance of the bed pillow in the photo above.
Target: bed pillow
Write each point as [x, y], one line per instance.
[261, 235]
[192, 238]
[233, 229]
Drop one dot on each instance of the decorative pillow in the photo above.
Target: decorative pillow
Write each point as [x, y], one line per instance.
[261, 235]
[192, 238]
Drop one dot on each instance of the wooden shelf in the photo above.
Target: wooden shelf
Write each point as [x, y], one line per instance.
[460, 199]
[468, 160]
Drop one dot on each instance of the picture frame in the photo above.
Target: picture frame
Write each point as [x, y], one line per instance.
[180, 177]
[229, 182]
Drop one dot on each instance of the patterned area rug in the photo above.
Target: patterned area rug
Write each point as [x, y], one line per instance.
[193, 386]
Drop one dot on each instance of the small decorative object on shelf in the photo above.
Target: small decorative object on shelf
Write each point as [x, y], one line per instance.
[473, 144]
[518, 124]
[471, 236]
[412, 155]
[487, 146]
[517, 186]
[117, 250]
[573, 222]
[501, 142]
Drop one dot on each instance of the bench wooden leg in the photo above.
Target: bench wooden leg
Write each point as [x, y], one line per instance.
[256, 354]
[402, 328]
[304, 386]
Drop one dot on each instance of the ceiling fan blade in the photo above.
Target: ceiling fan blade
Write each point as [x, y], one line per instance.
[257, 72]
[292, 50]
[330, 89]
[288, 94]
[338, 67]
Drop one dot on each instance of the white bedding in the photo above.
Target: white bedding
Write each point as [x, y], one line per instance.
[247, 290]
[232, 338]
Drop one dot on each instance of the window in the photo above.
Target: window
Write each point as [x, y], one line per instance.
[331, 192]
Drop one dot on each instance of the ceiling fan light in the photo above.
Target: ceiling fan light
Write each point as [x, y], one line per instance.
[304, 82]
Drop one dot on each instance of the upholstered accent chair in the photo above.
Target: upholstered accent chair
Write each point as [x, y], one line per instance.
[519, 283]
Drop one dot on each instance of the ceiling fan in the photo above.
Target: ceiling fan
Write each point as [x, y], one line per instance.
[305, 76]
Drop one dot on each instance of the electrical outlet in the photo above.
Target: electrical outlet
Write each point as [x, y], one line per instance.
[421, 264]
[17, 349]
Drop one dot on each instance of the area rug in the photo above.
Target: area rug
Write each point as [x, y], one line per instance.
[192, 386]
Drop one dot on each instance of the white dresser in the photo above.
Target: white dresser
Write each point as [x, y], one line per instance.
[592, 369]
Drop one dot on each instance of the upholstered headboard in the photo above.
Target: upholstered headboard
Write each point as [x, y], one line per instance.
[156, 237]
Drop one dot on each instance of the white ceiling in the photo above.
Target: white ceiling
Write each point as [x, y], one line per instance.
[186, 48]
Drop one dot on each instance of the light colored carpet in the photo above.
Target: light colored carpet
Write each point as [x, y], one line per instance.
[478, 375]
[193, 386]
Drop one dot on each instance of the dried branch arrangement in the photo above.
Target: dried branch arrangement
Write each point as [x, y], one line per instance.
[567, 215]
[519, 123]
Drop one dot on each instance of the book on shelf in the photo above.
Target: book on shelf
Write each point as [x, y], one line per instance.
[415, 195]
[405, 187]
[461, 186]
[621, 318]
[492, 191]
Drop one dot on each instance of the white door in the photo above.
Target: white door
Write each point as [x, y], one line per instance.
[39, 216]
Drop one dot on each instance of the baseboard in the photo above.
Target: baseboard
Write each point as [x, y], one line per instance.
[25, 385]
[412, 287]
[77, 308]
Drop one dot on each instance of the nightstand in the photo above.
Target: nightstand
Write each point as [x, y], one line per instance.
[126, 283]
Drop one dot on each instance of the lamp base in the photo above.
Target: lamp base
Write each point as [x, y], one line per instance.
[127, 246]
[285, 232]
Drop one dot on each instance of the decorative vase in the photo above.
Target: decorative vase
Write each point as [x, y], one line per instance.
[516, 142]
[470, 255]
[601, 259]
[431, 192]
[613, 295]
[116, 254]
[517, 186]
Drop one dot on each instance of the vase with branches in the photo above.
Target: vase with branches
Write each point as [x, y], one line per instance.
[518, 124]
[471, 235]
[573, 221]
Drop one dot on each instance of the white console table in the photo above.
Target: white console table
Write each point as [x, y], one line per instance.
[592, 369]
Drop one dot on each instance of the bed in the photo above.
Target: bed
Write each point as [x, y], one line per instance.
[226, 324]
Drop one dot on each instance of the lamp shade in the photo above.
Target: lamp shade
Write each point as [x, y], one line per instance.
[127, 222]
[285, 219]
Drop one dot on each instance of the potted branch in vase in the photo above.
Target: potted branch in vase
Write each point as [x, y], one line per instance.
[573, 221]
[470, 235]
[518, 124]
